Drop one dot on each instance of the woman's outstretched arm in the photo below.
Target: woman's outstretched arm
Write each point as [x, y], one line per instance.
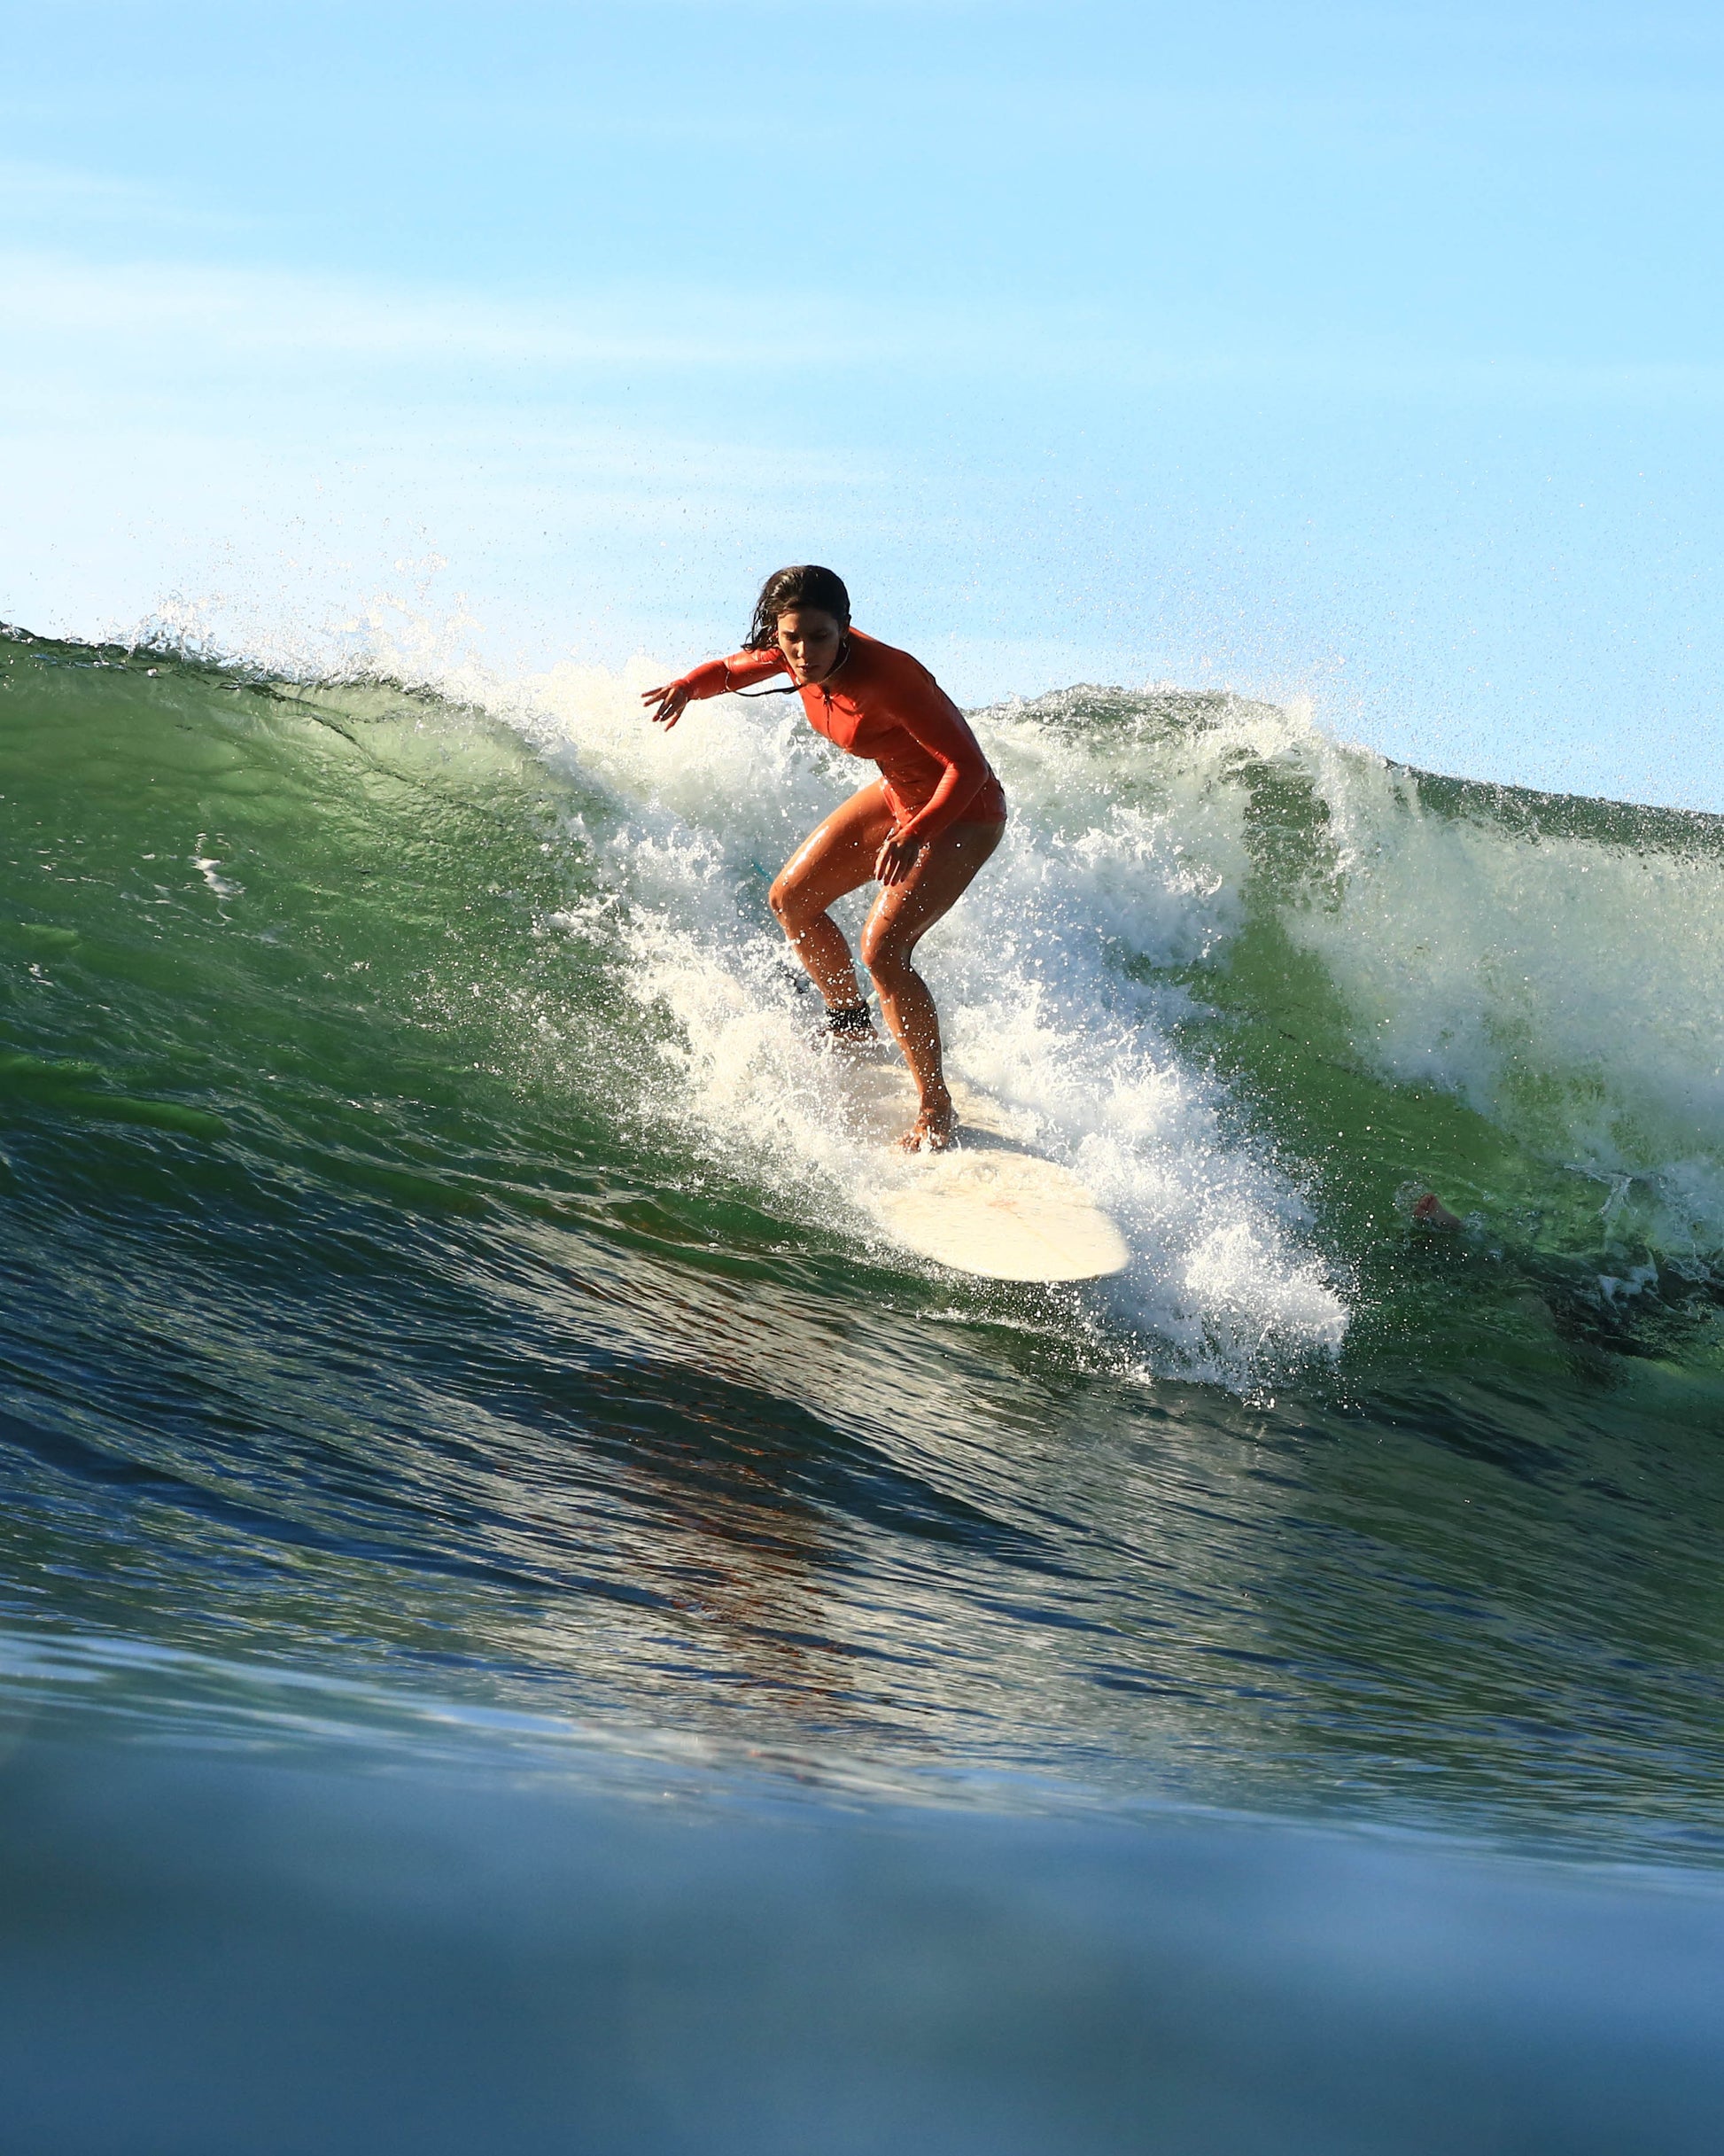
[716, 678]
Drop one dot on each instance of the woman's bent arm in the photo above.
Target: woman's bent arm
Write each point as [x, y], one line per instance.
[934, 722]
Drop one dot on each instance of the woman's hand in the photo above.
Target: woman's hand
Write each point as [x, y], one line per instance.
[896, 858]
[673, 701]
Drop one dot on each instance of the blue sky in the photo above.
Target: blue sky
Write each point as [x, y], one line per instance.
[1368, 353]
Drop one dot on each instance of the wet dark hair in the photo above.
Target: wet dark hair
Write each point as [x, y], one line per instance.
[805, 584]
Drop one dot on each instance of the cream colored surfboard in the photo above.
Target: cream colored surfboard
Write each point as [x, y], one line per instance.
[989, 1205]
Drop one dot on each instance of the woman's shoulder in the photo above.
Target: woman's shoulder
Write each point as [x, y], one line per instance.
[885, 663]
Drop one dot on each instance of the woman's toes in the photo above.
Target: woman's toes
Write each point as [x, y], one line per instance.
[930, 1133]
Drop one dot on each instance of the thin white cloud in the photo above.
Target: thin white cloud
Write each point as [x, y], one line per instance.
[265, 314]
[141, 330]
[32, 194]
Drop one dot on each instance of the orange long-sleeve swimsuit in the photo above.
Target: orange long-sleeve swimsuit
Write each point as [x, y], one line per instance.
[880, 704]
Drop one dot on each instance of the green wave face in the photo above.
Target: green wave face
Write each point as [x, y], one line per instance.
[296, 932]
[429, 1244]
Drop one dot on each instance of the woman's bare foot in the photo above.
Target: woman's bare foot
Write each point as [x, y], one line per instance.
[931, 1132]
[1430, 1212]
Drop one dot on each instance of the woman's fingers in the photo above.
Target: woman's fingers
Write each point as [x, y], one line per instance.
[895, 860]
[670, 700]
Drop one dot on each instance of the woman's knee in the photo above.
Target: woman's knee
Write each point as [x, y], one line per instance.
[789, 905]
[887, 958]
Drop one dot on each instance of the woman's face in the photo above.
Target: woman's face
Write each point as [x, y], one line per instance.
[810, 638]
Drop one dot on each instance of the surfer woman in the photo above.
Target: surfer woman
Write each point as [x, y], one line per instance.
[921, 830]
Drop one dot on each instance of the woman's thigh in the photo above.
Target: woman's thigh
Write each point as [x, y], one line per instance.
[942, 874]
[837, 857]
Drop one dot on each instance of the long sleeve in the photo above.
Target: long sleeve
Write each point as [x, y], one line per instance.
[934, 722]
[719, 676]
